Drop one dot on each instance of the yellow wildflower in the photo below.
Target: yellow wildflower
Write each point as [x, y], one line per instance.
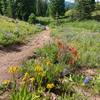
[26, 76]
[41, 74]
[6, 82]
[32, 79]
[50, 86]
[38, 68]
[13, 69]
[48, 62]
[22, 83]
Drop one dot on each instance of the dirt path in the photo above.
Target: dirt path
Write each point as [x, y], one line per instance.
[18, 54]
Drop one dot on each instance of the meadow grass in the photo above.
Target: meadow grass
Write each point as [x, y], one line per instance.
[47, 72]
[15, 31]
[89, 25]
[86, 41]
[84, 35]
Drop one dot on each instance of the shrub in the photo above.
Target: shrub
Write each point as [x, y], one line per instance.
[96, 15]
[72, 14]
[32, 18]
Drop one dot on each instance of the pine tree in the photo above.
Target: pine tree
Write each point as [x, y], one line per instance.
[1, 7]
[38, 7]
[85, 7]
[44, 7]
[23, 8]
[10, 7]
[41, 7]
[4, 7]
[57, 8]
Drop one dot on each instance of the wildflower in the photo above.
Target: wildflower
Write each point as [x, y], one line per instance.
[26, 76]
[38, 68]
[48, 62]
[13, 69]
[6, 82]
[22, 83]
[50, 86]
[32, 79]
[73, 51]
[71, 62]
[60, 44]
[70, 78]
[87, 80]
[41, 74]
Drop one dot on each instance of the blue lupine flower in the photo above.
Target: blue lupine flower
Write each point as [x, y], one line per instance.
[87, 80]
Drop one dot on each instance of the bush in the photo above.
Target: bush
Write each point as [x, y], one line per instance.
[15, 31]
[32, 18]
[72, 13]
[96, 15]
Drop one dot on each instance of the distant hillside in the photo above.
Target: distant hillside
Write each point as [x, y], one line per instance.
[69, 5]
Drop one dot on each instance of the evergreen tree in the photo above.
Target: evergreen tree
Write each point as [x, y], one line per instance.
[10, 7]
[38, 7]
[44, 7]
[57, 8]
[23, 8]
[4, 7]
[1, 7]
[84, 8]
[41, 7]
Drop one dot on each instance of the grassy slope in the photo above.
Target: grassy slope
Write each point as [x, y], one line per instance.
[12, 31]
[85, 36]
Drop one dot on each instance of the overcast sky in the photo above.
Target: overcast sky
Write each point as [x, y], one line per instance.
[73, 0]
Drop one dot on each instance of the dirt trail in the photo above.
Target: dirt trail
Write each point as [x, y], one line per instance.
[21, 53]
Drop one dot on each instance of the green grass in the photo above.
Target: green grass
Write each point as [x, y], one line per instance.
[65, 88]
[85, 36]
[15, 31]
[47, 68]
[50, 62]
[88, 25]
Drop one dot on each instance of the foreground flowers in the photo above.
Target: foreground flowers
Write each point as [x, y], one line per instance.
[50, 86]
[13, 69]
[6, 82]
[38, 68]
[26, 77]
[73, 51]
[32, 79]
[48, 62]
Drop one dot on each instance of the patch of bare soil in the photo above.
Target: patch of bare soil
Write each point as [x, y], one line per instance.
[20, 53]
[89, 71]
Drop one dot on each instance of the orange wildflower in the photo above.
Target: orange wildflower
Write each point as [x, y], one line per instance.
[71, 62]
[73, 51]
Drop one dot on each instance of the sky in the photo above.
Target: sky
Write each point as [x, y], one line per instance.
[73, 0]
